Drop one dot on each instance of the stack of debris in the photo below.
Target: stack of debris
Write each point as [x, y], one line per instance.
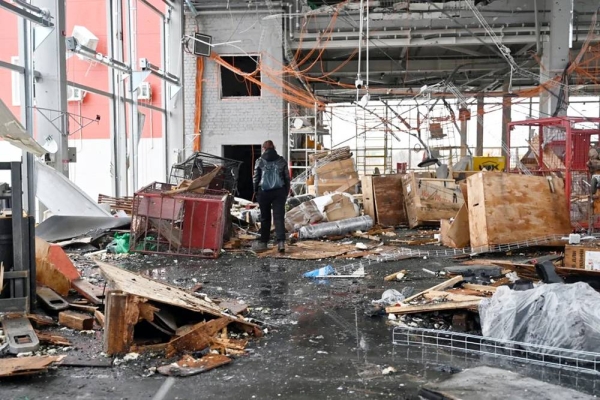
[333, 171]
[136, 313]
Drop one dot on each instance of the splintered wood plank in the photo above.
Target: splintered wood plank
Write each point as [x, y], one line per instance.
[450, 305]
[55, 340]
[480, 288]
[389, 200]
[197, 183]
[99, 317]
[94, 294]
[189, 366]
[440, 287]
[121, 315]
[458, 231]
[147, 311]
[27, 365]
[453, 296]
[159, 292]
[196, 337]
[194, 340]
[76, 320]
[368, 197]
[142, 286]
[508, 208]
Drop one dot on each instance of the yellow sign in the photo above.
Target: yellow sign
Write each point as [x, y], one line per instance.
[489, 163]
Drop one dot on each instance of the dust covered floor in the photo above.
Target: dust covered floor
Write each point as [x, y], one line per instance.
[319, 343]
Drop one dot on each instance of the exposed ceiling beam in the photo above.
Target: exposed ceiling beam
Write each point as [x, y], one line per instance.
[465, 50]
[524, 49]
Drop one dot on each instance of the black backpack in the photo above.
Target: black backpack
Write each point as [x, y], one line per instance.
[271, 176]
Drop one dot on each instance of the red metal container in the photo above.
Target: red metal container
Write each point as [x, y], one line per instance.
[188, 224]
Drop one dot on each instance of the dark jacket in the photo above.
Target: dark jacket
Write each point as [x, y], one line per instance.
[271, 155]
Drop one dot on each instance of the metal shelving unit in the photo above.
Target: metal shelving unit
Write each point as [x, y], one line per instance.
[305, 137]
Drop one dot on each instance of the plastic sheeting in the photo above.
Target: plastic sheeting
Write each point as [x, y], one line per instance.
[555, 315]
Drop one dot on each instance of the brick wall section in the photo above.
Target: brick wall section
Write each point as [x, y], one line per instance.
[235, 121]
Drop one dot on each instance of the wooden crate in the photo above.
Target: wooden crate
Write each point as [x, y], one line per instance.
[383, 199]
[429, 200]
[336, 176]
[508, 208]
[582, 257]
[456, 233]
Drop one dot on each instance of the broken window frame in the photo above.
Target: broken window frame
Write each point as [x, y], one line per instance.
[230, 58]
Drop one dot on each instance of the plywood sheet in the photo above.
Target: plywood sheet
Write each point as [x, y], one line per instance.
[507, 208]
[142, 286]
[26, 365]
[310, 250]
[368, 197]
[389, 200]
[458, 231]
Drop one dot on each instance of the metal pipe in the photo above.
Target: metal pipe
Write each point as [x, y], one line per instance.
[538, 43]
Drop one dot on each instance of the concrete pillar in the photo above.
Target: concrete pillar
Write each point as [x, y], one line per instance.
[480, 110]
[51, 89]
[118, 111]
[506, 118]
[174, 103]
[556, 56]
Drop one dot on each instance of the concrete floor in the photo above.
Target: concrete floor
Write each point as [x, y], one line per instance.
[319, 345]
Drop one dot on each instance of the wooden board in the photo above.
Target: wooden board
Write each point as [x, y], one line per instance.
[309, 250]
[76, 320]
[121, 315]
[145, 287]
[189, 366]
[54, 340]
[458, 232]
[450, 305]
[439, 287]
[27, 365]
[389, 200]
[368, 197]
[507, 208]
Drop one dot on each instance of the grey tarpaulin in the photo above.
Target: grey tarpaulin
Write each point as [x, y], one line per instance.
[555, 315]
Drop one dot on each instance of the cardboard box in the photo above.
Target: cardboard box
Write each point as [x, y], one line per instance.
[305, 214]
[341, 207]
[582, 257]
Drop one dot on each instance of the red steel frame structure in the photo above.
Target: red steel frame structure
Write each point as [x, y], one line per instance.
[574, 143]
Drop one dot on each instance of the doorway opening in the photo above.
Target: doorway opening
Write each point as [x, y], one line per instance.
[247, 155]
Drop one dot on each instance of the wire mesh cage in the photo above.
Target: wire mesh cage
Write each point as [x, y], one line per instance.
[188, 223]
[199, 164]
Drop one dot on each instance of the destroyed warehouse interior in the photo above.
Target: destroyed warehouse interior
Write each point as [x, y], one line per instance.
[299, 199]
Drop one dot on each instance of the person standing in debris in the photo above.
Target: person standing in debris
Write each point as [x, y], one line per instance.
[271, 188]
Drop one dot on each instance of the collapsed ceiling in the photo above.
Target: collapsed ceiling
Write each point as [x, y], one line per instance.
[417, 43]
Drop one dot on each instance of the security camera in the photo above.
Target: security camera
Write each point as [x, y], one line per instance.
[358, 83]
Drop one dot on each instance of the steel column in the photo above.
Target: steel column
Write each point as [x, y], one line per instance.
[118, 106]
[480, 111]
[51, 89]
[556, 57]
[506, 119]
[175, 133]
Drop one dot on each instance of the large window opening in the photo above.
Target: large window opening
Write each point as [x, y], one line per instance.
[234, 85]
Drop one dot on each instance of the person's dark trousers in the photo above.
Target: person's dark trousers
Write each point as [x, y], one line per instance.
[267, 201]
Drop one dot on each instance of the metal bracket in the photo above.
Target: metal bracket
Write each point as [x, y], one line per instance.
[75, 117]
